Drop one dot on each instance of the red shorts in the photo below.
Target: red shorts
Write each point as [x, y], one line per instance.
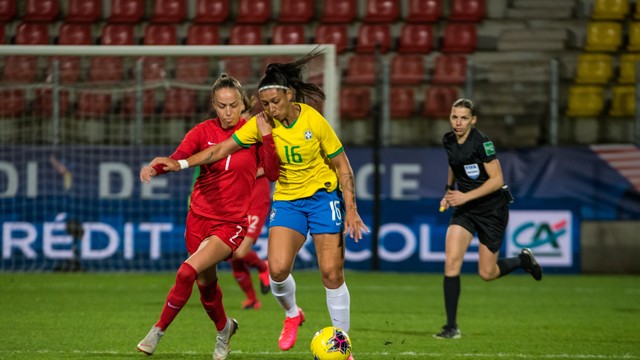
[198, 228]
[256, 218]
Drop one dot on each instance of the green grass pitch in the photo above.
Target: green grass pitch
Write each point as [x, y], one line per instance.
[104, 315]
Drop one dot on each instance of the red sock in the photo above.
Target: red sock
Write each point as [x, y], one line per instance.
[252, 259]
[178, 295]
[211, 298]
[243, 277]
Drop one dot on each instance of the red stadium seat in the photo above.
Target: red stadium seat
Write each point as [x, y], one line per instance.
[407, 69]
[12, 102]
[381, 11]
[355, 102]
[71, 34]
[372, 36]
[459, 38]
[196, 69]
[467, 10]
[89, 11]
[75, 34]
[241, 67]
[91, 104]
[154, 35]
[169, 11]
[336, 34]
[41, 10]
[438, 100]
[339, 11]
[126, 11]
[421, 11]
[43, 102]
[32, 34]
[361, 70]
[24, 68]
[245, 35]
[7, 10]
[211, 11]
[148, 103]
[402, 103]
[253, 11]
[2, 40]
[284, 34]
[450, 69]
[179, 103]
[295, 11]
[416, 39]
[110, 68]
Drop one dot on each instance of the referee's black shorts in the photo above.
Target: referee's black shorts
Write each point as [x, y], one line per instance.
[488, 221]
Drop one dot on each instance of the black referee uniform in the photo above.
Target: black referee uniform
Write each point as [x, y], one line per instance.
[487, 216]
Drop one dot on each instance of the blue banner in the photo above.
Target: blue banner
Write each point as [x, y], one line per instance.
[130, 225]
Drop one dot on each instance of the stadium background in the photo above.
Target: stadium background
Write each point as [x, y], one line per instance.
[555, 80]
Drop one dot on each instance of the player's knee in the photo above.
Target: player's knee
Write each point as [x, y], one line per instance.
[487, 275]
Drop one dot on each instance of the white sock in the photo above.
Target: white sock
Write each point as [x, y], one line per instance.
[285, 294]
[338, 303]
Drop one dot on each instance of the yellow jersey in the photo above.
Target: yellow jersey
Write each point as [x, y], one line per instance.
[304, 148]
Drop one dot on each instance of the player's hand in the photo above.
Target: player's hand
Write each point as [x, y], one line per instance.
[444, 205]
[146, 173]
[265, 123]
[354, 226]
[455, 198]
[168, 164]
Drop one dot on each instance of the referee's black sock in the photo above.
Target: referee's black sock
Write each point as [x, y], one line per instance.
[507, 265]
[451, 296]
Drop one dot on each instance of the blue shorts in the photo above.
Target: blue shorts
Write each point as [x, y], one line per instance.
[321, 213]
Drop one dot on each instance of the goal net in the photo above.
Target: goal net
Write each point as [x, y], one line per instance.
[76, 125]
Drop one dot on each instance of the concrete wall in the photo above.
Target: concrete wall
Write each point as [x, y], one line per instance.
[610, 247]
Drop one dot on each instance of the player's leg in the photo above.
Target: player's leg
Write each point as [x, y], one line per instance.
[457, 240]
[284, 244]
[330, 251]
[243, 277]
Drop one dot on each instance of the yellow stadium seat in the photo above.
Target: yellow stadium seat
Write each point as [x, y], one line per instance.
[610, 9]
[603, 36]
[585, 101]
[623, 101]
[634, 37]
[594, 68]
[628, 63]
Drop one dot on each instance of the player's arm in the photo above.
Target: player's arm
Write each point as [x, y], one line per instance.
[353, 224]
[493, 183]
[188, 145]
[451, 180]
[267, 149]
[211, 154]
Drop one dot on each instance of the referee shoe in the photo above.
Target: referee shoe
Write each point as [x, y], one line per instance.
[530, 265]
[448, 332]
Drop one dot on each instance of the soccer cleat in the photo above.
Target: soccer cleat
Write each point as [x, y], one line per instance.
[264, 279]
[251, 304]
[290, 331]
[530, 265]
[150, 342]
[222, 348]
[448, 332]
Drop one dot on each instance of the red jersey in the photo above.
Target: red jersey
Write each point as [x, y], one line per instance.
[222, 190]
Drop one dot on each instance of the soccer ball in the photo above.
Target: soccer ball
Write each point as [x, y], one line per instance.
[331, 343]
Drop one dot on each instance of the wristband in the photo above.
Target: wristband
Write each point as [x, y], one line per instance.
[184, 164]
